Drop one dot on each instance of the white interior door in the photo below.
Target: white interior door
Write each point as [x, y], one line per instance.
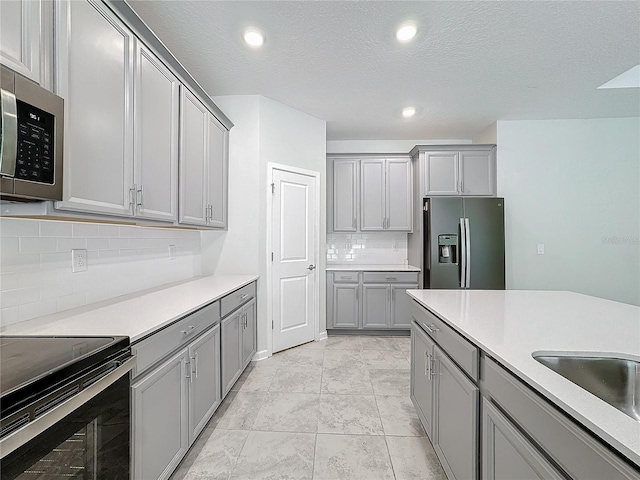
[294, 274]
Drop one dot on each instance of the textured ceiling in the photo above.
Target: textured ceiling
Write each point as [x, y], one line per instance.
[472, 63]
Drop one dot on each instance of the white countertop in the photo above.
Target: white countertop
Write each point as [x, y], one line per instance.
[371, 268]
[136, 315]
[511, 325]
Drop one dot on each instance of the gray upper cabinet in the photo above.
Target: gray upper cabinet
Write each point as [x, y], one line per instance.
[194, 119]
[25, 34]
[343, 201]
[456, 170]
[456, 415]
[155, 138]
[95, 77]
[370, 194]
[386, 195]
[204, 155]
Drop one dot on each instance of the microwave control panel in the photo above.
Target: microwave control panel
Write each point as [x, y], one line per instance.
[35, 157]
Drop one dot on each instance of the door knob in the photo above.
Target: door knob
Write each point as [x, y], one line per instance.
[311, 267]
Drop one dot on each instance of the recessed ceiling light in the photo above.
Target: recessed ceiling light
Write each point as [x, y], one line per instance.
[406, 32]
[628, 79]
[253, 37]
[408, 112]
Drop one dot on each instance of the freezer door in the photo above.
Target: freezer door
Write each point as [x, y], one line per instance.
[442, 218]
[485, 235]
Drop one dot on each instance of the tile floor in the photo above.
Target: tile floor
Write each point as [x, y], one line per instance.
[336, 409]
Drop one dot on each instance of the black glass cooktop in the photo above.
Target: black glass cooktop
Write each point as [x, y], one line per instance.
[30, 366]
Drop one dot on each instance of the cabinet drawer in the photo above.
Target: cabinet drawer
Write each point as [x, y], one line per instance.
[390, 277]
[159, 345]
[573, 449]
[463, 352]
[345, 277]
[241, 296]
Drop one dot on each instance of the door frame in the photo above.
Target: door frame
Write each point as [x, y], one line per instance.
[271, 167]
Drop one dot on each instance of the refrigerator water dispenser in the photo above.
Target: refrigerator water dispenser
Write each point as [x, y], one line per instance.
[448, 249]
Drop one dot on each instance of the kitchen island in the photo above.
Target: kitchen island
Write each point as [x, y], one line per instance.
[492, 337]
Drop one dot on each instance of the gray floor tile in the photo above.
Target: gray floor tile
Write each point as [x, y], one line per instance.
[354, 457]
[344, 342]
[399, 416]
[288, 412]
[242, 411]
[276, 455]
[297, 380]
[390, 382]
[301, 358]
[349, 414]
[217, 457]
[334, 358]
[403, 343]
[378, 343]
[413, 458]
[346, 381]
[258, 380]
[387, 359]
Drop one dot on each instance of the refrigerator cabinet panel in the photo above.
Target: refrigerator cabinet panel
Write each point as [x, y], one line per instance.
[485, 237]
[442, 242]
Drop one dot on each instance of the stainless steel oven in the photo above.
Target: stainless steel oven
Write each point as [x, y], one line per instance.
[65, 405]
[31, 140]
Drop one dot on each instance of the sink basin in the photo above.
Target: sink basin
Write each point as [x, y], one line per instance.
[614, 380]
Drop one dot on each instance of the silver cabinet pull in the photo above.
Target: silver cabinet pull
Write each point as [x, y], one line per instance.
[132, 198]
[139, 194]
[427, 363]
[390, 278]
[431, 328]
[243, 296]
[187, 370]
[311, 267]
[189, 330]
[432, 367]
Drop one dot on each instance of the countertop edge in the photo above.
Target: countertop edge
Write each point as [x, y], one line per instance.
[372, 268]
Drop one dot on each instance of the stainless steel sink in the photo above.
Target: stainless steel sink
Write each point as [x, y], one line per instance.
[614, 380]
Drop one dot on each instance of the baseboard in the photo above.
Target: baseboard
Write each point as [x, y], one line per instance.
[378, 333]
[322, 336]
[261, 355]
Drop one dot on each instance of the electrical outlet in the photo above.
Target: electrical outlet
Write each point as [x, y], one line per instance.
[78, 260]
[172, 252]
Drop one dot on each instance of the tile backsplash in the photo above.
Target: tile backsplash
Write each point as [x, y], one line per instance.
[35, 263]
[379, 248]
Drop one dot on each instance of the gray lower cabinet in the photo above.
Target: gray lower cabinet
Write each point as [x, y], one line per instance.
[455, 428]
[345, 306]
[507, 454]
[238, 340]
[375, 306]
[422, 377]
[160, 418]
[204, 380]
[369, 300]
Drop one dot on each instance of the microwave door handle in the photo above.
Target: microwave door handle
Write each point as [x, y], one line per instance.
[9, 140]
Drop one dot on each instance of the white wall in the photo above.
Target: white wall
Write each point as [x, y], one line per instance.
[265, 131]
[573, 185]
[386, 146]
[35, 264]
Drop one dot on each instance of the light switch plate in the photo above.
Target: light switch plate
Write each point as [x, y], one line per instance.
[541, 249]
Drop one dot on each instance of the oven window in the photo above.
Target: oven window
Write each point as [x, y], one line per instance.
[90, 443]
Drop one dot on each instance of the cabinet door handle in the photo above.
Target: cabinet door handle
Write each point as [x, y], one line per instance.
[132, 200]
[246, 320]
[427, 363]
[432, 366]
[189, 330]
[139, 197]
[194, 363]
[187, 370]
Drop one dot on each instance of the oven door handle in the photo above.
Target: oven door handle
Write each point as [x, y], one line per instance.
[9, 140]
[34, 428]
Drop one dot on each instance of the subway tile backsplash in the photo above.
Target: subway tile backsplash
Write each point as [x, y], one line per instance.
[35, 264]
[379, 248]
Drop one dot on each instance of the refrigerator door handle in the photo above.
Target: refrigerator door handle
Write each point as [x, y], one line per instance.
[463, 253]
[468, 252]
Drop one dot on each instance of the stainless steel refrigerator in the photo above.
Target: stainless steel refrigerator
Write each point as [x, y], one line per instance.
[464, 243]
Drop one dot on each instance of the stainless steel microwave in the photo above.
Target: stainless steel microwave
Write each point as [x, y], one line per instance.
[31, 140]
